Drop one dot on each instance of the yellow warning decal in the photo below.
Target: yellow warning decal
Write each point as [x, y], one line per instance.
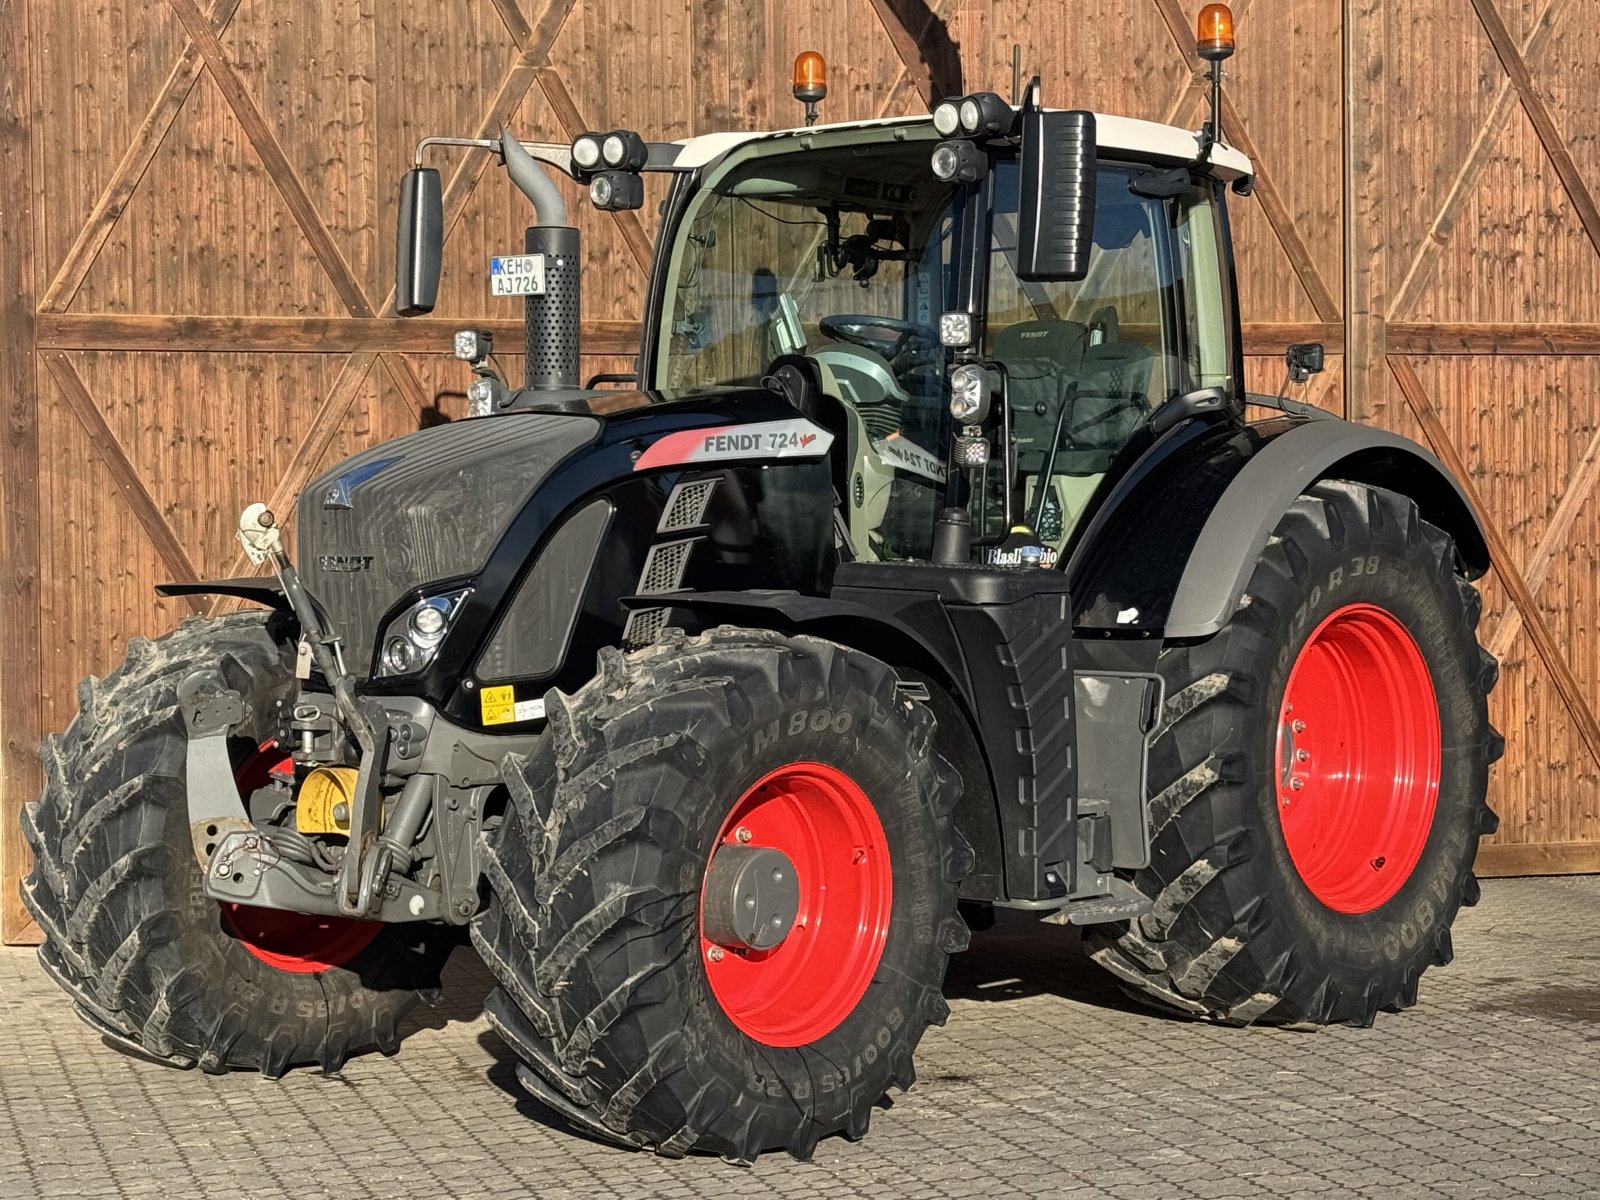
[499, 705]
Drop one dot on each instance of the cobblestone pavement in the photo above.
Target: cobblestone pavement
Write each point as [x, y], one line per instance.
[1045, 1082]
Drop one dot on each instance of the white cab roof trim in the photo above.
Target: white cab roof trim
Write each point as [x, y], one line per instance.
[1115, 133]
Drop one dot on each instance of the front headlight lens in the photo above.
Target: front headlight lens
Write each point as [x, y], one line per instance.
[946, 117]
[586, 151]
[414, 637]
[969, 394]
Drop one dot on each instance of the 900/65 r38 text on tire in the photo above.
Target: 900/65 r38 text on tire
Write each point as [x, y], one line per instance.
[152, 963]
[1317, 778]
[637, 1007]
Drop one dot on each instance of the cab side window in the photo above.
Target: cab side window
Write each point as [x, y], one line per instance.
[1089, 361]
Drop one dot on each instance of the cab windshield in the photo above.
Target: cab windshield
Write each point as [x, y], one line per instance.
[843, 253]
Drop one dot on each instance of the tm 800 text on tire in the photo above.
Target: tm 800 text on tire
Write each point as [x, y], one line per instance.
[723, 896]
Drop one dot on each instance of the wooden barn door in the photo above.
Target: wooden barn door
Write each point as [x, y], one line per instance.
[1475, 164]
[196, 258]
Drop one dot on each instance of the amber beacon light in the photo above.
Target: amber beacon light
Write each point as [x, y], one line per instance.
[1215, 41]
[811, 82]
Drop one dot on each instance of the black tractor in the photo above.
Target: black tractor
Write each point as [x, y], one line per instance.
[927, 565]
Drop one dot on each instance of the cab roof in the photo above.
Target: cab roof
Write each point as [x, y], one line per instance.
[1136, 138]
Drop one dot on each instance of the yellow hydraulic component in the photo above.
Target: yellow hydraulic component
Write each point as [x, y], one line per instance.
[325, 800]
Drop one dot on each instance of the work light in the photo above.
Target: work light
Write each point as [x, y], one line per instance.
[586, 151]
[969, 393]
[959, 162]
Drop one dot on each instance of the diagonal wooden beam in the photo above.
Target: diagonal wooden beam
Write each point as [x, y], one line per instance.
[407, 383]
[270, 151]
[533, 50]
[141, 151]
[905, 79]
[908, 24]
[1196, 86]
[111, 453]
[1420, 271]
[572, 121]
[516, 24]
[1579, 492]
[1266, 190]
[1539, 113]
[314, 444]
[1500, 556]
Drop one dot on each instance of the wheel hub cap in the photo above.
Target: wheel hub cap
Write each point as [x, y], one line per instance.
[751, 897]
[1358, 758]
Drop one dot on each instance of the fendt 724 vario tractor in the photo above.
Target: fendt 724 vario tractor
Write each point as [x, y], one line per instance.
[927, 566]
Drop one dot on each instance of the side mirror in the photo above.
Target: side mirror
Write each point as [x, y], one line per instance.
[421, 244]
[1056, 191]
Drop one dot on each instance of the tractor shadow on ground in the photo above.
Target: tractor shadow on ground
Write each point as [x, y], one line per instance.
[1023, 957]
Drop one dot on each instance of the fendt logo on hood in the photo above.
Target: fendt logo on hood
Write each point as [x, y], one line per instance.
[338, 493]
[344, 562]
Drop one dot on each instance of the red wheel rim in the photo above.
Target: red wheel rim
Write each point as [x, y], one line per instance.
[299, 943]
[805, 986]
[1357, 758]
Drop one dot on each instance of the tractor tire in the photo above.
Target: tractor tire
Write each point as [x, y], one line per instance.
[150, 962]
[628, 1018]
[1317, 778]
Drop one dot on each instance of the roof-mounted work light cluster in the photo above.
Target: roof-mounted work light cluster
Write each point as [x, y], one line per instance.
[965, 120]
[610, 164]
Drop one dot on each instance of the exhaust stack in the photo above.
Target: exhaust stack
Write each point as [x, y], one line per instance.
[552, 320]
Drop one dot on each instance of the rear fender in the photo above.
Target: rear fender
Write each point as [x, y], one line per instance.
[1172, 554]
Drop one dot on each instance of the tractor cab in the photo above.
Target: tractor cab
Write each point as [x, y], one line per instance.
[846, 257]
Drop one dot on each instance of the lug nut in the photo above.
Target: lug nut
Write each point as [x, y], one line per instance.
[741, 834]
[1299, 726]
[715, 953]
[1302, 756]
[1296, 784]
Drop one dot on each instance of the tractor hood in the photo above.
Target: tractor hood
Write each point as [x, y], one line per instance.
[436, 507]
[425, 507]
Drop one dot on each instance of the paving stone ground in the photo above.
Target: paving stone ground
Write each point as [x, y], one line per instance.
[1045, 1082]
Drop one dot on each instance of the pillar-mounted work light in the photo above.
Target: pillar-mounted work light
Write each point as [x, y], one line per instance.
[610, 164]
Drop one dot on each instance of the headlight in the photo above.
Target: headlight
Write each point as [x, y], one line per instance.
[959, 162]
[480, 397]
[969, 394]
[413, 637]
[586, 152]
[613, 191]
[946, 117]
[971, 115]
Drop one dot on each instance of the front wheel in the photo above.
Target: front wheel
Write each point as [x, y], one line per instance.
[1317, 778]
[150, 962]
[722, 898]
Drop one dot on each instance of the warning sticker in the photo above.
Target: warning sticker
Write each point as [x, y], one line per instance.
[499, 705]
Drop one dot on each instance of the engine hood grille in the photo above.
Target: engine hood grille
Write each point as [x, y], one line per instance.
[424, 507]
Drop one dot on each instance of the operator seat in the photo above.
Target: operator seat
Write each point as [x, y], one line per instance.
[1043, 359]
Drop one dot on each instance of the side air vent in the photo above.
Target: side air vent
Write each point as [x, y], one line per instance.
[686, 507]
[663, 572]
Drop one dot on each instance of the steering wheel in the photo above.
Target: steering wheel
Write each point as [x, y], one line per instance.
[893, 338]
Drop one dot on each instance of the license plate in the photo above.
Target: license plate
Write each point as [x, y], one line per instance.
[516, 275]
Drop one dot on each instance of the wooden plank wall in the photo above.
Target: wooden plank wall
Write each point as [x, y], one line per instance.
[196, 262]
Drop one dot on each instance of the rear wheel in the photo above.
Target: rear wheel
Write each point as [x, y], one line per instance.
[148, 959]
[1318, 777]
[722, 899]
